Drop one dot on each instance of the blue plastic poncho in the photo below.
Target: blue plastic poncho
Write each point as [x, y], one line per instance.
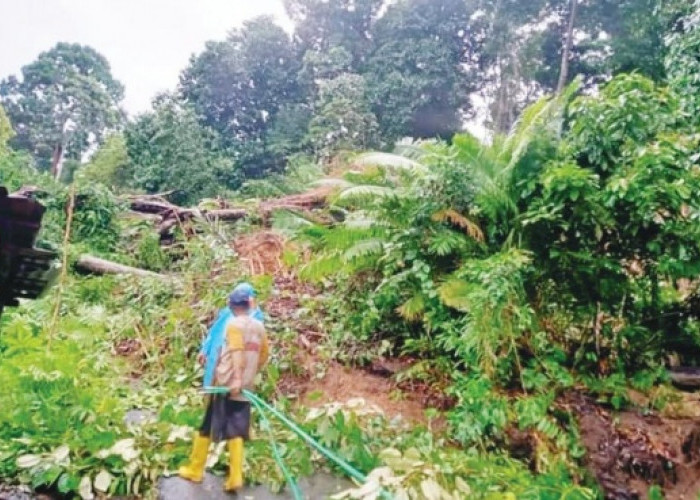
[211, 347]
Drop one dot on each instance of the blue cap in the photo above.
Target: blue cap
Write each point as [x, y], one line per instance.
[241, 295]
[247, 288]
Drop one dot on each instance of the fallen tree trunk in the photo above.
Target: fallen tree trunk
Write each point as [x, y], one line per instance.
[168, 210]
[152, 206]
[685, 377]
[95, 265]
[169, 215]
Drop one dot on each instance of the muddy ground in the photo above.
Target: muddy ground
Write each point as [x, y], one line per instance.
[630, 451]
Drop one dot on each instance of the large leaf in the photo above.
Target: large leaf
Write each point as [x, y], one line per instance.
[102, 481]
[61, 453]
[413, 308]
[85, 488]
[454, 293]
[544, 115]
[28, 461]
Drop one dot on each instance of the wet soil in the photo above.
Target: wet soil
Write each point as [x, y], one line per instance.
[630, 451]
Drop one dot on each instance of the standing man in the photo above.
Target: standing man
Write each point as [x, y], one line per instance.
[233, 352]
[214, 340]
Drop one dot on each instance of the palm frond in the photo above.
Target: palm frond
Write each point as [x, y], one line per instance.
[360, 220]
[332, 182]
[468, 148]
[343, 237]
[388, 160]
[414, 149]
[544, 114]
[470, 227]
[446, 242]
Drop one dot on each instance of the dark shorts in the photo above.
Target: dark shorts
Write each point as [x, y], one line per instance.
[226, 419]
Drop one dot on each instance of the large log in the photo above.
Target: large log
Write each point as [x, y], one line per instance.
[95, 265]
[685, 377]
[151, 205]
[168, 210]
[171, 215]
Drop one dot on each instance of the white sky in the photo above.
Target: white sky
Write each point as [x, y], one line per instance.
[147, 42]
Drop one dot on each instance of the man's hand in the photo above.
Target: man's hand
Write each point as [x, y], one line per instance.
[202, 359]
[236, 388]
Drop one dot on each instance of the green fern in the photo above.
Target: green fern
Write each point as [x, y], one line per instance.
[413, 309]
[322, 266]
[366, 248]
[445, 242]
[455, 293]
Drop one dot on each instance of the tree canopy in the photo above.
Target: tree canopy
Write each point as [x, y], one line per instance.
[351, 74]
[63, 103]
[171, 150]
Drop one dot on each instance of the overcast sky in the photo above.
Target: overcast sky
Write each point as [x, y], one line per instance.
[147, 42]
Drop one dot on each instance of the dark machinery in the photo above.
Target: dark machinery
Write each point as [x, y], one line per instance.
[25, 271]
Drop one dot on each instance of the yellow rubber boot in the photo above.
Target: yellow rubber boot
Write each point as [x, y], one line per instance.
[234, 481]
[194, 470]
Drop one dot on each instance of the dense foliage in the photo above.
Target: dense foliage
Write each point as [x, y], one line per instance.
[566, 245]
[67, 363]
[560, 255]
[169, 149]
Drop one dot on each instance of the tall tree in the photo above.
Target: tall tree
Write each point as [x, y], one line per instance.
[237, 87]
[342, 118]
[682, 63]
[509, 58]
[536, 47]
[419, 73]
[612, 36]
[170, 150]
[568, 44]
[322, 25]
[110, 165]
[64, 102]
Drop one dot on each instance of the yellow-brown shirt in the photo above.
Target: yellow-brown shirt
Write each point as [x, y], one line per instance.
[244, 353]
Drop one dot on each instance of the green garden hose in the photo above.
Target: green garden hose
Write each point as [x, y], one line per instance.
[262, 407]
[349, 469]
[293, 486]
